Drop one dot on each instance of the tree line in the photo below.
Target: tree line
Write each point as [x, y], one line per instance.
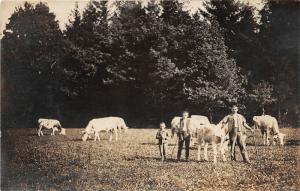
[148, 63]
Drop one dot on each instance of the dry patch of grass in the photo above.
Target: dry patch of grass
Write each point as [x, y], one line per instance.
[29, 162]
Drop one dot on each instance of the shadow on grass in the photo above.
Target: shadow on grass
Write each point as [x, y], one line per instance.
[287, 143]
[255, 145]
[292, 142]
[149, 143]
[156, 144]
[157, 159]
[77, 140]
[142, 158]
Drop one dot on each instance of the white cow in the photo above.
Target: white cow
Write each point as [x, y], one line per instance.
[112, 125]
[209, 134]
[202, 121]
[205, 133]
[268, 124]
[50, 124]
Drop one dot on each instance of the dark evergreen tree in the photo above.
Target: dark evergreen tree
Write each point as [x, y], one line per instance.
[279, 37]
[30, 56]
[238, 24]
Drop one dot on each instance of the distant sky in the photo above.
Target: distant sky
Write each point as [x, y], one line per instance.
[63, 8]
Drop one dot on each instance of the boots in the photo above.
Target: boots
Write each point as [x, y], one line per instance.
[245, 157]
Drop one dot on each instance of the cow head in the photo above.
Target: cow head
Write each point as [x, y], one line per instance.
[256, 121]
[175, 125]
[124, 128]
[279, 137]
[85, 135]
[55, 129]
[62, 131]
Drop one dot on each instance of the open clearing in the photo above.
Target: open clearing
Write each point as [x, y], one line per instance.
[29, 162]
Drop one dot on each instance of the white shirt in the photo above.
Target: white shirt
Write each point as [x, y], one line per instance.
[183, 125]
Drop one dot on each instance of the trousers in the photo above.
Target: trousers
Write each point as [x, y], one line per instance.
[239, 139]
[186, 141]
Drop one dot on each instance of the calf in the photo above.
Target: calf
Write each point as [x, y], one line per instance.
[50, 124]
[205, 134]
[208, 134]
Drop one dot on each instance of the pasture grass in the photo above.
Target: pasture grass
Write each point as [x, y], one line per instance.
[29, 162]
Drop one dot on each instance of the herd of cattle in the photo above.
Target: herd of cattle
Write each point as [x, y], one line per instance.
[201, 129]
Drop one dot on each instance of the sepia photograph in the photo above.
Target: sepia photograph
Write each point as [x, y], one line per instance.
[150, 95]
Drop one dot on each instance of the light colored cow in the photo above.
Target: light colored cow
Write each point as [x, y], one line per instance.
[50, 124]
[202, 121]
[209, 134]
[205, 134]
[112, 125]
[268, 124]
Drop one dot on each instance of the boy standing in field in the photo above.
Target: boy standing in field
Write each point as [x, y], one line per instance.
[162, 136]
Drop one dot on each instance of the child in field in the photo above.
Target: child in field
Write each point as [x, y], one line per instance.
[162, 136]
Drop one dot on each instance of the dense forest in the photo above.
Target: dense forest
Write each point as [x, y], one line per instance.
[148, 63]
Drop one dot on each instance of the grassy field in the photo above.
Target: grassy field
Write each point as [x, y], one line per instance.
[29, 162]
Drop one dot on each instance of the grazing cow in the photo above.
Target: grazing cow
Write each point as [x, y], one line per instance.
[205, 134]
[268, 124]
[50, 124]
[112, 125]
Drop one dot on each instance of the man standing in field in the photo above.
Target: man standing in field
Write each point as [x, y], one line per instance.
[236, 129]
[184, 136]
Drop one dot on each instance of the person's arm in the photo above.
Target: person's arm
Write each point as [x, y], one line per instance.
[158, 135]
[246, 125]
[224, 120]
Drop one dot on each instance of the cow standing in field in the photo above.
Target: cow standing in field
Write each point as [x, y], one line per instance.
[112, 125]
[236, 129]
[208, 134]
[50, 124]
[268, 124]
[205, 134]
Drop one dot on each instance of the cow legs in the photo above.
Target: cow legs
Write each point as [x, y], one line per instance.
[53, 132]
[264, 137]
[97, 136]
[222, 151]
[273, 141]
[110, 136]
[205, 151]
[214, 147]
[116, 132]
[268, 138]
[40, 133]
[199, 151]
